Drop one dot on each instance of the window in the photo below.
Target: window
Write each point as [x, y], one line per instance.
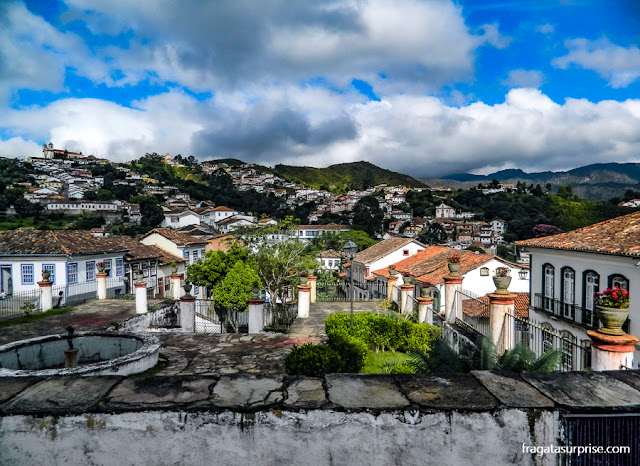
[27, 274]
[152, 268]
[202, 251]
[107, 267]
[591, 285]
[91, 270]
[568, 292]
[484, 271]
[548, 287]
[619, 281]
[145, 269]
[72, 273]
[405, 252]
[119, 267]
[568, 343]
[195, 256]
[196, 290]
[547, 337]
[186, 255]
[52, 271]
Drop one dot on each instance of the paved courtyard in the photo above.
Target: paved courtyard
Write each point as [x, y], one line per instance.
[194, 353]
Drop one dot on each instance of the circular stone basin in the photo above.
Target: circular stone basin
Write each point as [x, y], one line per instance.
[98, 354]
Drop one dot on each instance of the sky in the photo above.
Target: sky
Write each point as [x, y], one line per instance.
[423, 87]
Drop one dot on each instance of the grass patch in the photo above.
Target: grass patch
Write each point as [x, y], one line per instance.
[163, 362]
[375, 362]
[35, 316]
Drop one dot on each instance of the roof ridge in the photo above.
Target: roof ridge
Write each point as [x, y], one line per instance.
[64, 248]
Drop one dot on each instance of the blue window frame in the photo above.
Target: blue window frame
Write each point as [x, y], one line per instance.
[52, 271]
[196, 290]
[195, 256]
[91, 270]
[107, 267]
[26, 274]
[119, 267]
[186, 256]
[72, 272]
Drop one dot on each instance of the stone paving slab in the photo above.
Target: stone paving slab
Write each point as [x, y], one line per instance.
[307, 393]
[570, 389]
[446, 391]
[244, 391]
[11, 386]
[62, 395]
[357, 391]
[512, 391]
[160, 392]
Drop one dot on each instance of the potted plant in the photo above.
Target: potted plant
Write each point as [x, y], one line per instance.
[612, 308]
[138, 274]
[45, 275]
[406, 277]
[174, 268]
[502, 280]
[392, 270]
[187, 288]
[100, 265]
[304, 278]
[454, 264]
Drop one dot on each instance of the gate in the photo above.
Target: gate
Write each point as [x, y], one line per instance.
[604, 439]
[330, 289]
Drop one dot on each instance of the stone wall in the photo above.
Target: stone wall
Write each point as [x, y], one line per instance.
[479, 418]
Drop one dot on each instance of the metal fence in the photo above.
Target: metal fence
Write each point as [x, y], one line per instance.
[566, 311]
[165, 314]
[474, 315]
[540, 338]
[328, 290]
[19, 304]
[278, 317]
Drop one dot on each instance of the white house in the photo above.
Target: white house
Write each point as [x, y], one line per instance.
[568, 268]
[378, 256]
[498, 226]
[445, 211]
[70, 256]
[173, 219]
[330, 260]
[308, 232]
[220, 213]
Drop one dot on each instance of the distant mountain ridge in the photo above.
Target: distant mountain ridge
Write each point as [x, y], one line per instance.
[599, 181]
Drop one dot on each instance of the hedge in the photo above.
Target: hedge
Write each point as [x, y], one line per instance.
[382, 333]
[352, 351]
[312, 360]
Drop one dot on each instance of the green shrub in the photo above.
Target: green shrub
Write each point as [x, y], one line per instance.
[312, 360]
[352, 351]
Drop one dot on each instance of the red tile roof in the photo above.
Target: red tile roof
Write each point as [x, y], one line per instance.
[180, 239]
[383, 248]
[480, 307]
[618, 236]
[56, 242]
[222, 208]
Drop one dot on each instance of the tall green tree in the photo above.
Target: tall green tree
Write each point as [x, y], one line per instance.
[215, 266]
[235, 289]
[367, 215]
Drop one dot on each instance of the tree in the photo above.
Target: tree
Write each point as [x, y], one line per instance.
[87, 221]
[542, 230]
[235, 289]
[25, 208]
[433, 234]
[278, 265]
[215, 266]
[151, 212]
[367, 215]
[475, 249]
[336, 240]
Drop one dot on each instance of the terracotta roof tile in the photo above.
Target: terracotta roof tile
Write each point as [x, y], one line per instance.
[55, 242]
[382, 248]
[330, 253]
[618, 236]
[223, 208]
[177, 237]
[480, 307]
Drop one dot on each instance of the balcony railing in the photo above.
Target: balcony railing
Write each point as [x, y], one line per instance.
[566, 311]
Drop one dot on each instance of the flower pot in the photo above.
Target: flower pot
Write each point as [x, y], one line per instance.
[45, 275]
[502, 284]
[454, 268]
[424, 293]
[304, 280]
[100, 269]
[612, 319]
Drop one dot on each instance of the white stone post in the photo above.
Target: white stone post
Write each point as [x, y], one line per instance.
[188, 313]
[256, 315]
[391, 282]
[452, 300]
[304, 300]
[425, 316]
[101, 277]
[176, 285]
[501, 326]
[46, 295]
[312, 281]
[611, 352]
[406, 292]
[141, 297]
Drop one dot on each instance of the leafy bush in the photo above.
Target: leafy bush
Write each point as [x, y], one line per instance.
[352, 351]
[382, 332]
[312, 360]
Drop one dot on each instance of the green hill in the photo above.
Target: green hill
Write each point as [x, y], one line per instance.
[355, 175]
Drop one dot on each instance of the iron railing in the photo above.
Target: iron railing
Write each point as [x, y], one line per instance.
[474, 313]
[566, 311]
[19, 304]
[278, 317]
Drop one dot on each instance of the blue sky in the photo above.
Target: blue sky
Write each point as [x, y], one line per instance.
[426, 87]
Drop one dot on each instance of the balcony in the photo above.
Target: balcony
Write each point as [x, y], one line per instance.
[566, 311]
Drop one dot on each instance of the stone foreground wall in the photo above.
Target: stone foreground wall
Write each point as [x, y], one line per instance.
[479, 418]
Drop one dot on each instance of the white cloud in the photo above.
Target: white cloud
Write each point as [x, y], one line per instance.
[17, 147]
[524, 78]
[620, 66]
[545, 28]
[493, 37]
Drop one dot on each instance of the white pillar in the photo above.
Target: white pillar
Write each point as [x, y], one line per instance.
[176, 286]
[256, 315]
[406, 292]
[46, 296]
[501, 327]
[392, 280]
[452, 309]
[102, 285]
[141, 297]
[425, 316]
[304, 300]
[312, 281]
[188, 313]
[611, 352]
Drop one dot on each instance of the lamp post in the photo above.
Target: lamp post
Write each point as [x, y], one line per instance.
[350, 249]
